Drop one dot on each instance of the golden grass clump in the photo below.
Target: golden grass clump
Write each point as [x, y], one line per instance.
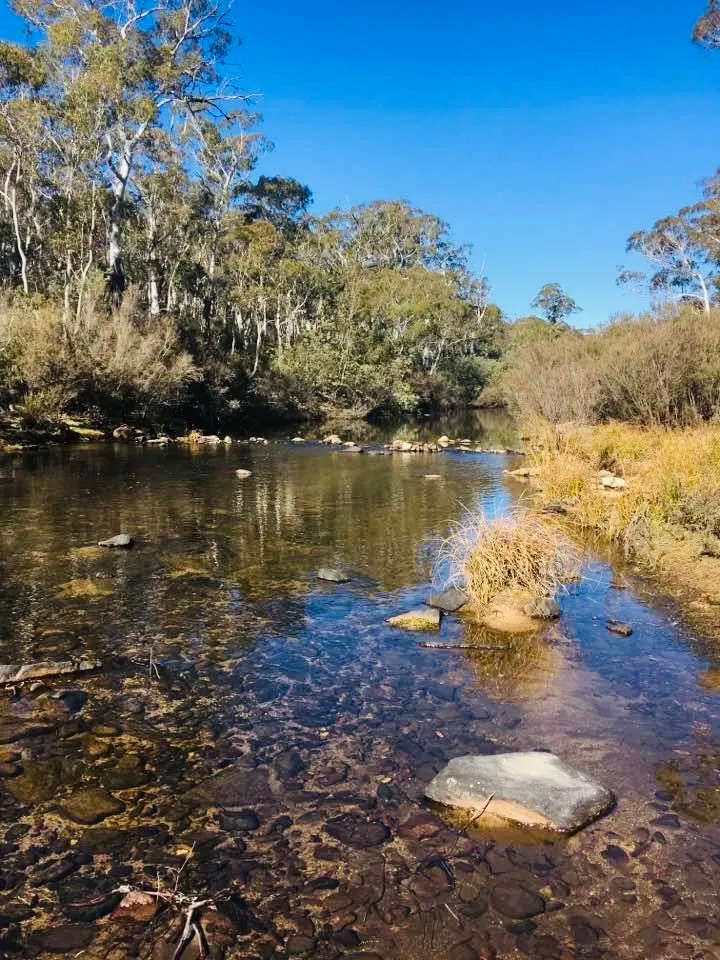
[518, 552]
[667, 518]
[669, 474]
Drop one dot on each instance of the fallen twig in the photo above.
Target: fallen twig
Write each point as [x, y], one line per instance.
[192, 929]
[15, 673]
[453, 914]
[477, 817]
[439, 645]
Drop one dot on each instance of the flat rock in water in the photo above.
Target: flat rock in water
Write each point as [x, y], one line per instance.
[332, 575]
[448, 600]
[543, 608]
[243, 474]
[534, 788]
[424, 618]
[91, 806]
[122, 541]
[619, 627]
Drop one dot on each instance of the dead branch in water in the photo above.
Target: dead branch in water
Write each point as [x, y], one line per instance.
[439, 645]
[16, 673]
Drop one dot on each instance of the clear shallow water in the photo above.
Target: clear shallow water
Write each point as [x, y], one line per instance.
[290, 733]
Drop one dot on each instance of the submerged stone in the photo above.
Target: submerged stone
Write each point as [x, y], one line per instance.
[91, 806]
[514, 901]
[353, 830]
[448, 600]
[543, 608]
[424, 618]
[38, 783]
[619, 627]
[533, 788]
[332, 575]
[121, 541]
[67, 938]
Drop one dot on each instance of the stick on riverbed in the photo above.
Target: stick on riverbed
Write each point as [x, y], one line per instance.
[16, 673]
[438, 645]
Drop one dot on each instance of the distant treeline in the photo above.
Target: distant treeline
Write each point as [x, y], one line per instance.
[148, 271]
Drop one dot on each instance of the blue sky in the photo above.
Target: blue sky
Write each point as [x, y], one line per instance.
[543, 132]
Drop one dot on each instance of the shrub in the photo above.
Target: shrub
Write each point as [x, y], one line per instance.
[656, 369]
[109, 359]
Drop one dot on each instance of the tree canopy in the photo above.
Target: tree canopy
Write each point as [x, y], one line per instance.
[554, 303]
[128, 167]
[707, 28]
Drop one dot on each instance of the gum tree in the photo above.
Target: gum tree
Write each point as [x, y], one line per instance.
[557, 305]
[117, 72]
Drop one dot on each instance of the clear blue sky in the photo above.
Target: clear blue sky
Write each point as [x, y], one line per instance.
[543, 132]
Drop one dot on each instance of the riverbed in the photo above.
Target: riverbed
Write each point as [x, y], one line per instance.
[263, 739]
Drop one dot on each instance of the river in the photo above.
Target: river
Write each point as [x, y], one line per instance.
[261, 738]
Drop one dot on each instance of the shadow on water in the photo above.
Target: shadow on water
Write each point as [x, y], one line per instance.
[275, 727]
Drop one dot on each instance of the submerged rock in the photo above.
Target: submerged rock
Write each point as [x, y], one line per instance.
[332, 575]
[91, 806]
[354, 831]
[543, 608]
[121, 541]
[534, 789]
[620, 627]
[136, 907]
[67, 938]
[514, 901]
[448, 600]
[16, 672]
[506, 615]
[424, 618]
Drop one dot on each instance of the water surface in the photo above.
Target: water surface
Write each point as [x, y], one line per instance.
[278, 731]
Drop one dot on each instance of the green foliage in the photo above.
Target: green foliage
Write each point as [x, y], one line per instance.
[106, 359]
[554, 303]
[707, 29]
[124, 148]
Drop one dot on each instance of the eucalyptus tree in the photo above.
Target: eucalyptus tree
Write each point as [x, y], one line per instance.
[707, 29]
[554, 303]
[677, 248]
[135, 67]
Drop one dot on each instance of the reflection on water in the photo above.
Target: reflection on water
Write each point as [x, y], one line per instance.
[513, 665]
[278, 729]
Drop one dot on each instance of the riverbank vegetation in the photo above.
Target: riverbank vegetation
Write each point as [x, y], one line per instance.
[151, 274]
[510, 567]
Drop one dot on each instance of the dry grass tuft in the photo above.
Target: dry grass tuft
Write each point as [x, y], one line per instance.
[518, 552]
[668, 516]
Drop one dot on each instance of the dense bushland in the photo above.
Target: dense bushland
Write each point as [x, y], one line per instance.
[661, 368]
[149, 269]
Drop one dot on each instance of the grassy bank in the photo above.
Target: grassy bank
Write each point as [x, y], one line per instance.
[663, 508]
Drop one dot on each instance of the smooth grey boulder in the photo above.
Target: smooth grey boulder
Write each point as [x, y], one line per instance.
[543, 608]
[121, 541]
[448, 600]
[332, 575]
[534, 789]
